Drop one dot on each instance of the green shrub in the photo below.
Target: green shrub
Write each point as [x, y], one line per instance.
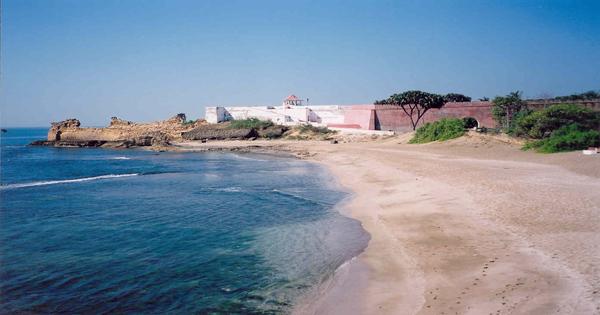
[306, 128]
[441, 130]
[513, 130]
[250, 123]
[566, 138]
[541, 124]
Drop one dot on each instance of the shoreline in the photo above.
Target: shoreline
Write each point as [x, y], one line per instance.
[457, 228]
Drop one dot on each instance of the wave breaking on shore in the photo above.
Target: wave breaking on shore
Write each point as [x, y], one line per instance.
[64, 181]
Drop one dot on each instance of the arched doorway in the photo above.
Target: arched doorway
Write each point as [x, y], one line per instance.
[470, 122]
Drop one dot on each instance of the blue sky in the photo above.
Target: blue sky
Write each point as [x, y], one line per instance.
[148, 60]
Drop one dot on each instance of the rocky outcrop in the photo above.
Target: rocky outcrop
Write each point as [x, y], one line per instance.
[117, 122]
[55, 132]
[272, 132]
[177, 119]
[120, 133]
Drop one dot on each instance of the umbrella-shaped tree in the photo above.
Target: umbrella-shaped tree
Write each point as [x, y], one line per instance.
[415, 104]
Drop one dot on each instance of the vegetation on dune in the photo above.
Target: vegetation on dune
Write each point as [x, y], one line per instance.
[441, 130]
[562, 127]
[306, 128]
[558, 128]
[415, 102]
[539, 124]
[250, 123]
[566, 138]
[310, 132]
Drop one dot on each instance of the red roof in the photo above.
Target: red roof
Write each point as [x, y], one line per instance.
[292, 97]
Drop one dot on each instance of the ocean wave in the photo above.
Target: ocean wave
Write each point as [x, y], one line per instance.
[120, 158]
[229, 189]
[64, 181]
[298, 197]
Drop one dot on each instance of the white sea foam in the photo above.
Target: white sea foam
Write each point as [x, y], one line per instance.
[65, 181]
[248, 157]
[120, 158]
[230, 189]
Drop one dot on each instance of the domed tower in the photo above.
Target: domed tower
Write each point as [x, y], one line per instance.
[292, 100]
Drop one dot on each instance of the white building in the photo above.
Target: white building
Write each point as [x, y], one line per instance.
[291, 112]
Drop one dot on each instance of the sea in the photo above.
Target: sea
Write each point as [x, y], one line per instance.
[90, 230]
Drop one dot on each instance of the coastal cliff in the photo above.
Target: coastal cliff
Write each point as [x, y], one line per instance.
[119, 134]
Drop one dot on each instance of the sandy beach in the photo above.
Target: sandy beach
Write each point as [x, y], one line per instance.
[468, 226]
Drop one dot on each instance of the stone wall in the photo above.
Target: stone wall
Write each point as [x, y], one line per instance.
[390, 117]
[364, 116]
[369, 116]
[542, 103]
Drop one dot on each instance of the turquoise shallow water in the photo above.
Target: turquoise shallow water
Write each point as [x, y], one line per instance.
[115, 231]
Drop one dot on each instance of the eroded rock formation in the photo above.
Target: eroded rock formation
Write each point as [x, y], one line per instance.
[120, 133]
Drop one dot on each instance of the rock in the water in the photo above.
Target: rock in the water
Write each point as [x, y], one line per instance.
[55, 131]
[119, 134]
[69, 143]
[42, 143]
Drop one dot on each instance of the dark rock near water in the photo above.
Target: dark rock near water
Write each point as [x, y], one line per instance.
[137, 142]
[152, 139]
[42, 143]
[272, 132]
[212, 133]
[69, 144]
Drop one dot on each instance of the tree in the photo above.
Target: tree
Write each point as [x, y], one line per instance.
[484, 99]
[415, 102]
[589, 95]
[455, 97]
[506, 107]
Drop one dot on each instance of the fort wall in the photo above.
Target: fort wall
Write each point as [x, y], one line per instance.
[370, 116]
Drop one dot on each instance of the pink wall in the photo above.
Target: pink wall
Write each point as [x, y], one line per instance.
[362, 116]
[390, 117]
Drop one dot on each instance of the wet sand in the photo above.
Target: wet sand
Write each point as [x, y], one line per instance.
[470, 226]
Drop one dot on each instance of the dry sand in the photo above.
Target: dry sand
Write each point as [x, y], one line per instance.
[469, 226]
